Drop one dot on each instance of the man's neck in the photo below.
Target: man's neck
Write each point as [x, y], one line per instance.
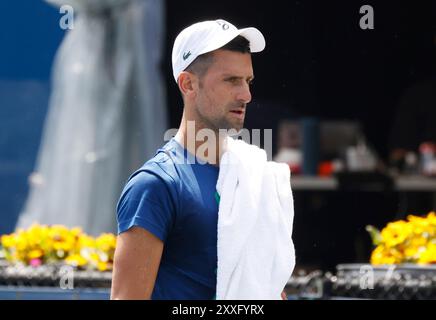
[208, 149]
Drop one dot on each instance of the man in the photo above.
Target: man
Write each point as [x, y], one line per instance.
[168, 211]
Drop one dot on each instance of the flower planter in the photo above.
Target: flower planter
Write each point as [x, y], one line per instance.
[399, 282]
[54, 275]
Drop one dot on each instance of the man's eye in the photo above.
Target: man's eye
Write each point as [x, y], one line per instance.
[250, 83]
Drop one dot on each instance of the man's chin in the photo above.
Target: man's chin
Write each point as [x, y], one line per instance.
[235, 130]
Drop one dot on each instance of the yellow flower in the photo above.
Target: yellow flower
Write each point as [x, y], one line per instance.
[418, 241]
[21, 242]
[54, 243]
[102, 266]
[58, 233]
[412, 241]
[85, 241]
[94, 257]
[413, 247]
[377, 255]
[63, 245]
[411, 253]
[382, 255]
[395, 233]
[421, 226]
[105, 245]
[8, 241]
[76, 231]
[34, 254]
[431, 218]
[76, 260]
[429, 255]
[106, 242]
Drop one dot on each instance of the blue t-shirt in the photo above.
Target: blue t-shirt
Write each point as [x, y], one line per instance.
[176, 201]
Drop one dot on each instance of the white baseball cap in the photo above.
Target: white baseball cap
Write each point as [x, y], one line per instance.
[207, 36]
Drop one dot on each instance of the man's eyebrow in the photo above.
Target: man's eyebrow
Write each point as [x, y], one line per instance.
[237, 77]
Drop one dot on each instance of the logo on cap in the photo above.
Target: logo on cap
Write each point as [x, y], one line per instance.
[223, 24]
[186, 55]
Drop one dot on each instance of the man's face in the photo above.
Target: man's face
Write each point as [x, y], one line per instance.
[224, 91]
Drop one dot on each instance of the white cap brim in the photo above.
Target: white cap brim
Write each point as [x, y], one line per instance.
[253, 35]
[256, 38]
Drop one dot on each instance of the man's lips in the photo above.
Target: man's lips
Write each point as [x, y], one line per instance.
[239, 113]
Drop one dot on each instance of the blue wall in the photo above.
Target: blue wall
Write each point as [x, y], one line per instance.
[29, 37]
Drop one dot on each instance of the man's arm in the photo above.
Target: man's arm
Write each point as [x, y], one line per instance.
[136, 263]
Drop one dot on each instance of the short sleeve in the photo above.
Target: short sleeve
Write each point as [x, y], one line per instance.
[147, 201]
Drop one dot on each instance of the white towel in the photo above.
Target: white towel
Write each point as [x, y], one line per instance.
[256, 254]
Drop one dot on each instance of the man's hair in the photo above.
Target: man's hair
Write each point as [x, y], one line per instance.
[202, 63]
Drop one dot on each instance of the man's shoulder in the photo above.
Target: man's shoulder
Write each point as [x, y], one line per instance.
[154, 171]
[151, 179]
[160, 168]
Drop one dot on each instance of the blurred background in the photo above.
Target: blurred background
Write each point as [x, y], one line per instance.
[351, 110]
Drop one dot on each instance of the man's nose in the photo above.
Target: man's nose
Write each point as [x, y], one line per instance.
[244, 95]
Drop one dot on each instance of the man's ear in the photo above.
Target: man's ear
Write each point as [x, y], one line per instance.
[188, 83]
